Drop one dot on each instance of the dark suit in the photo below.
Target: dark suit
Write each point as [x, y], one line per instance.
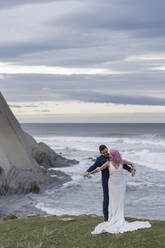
[105, 177]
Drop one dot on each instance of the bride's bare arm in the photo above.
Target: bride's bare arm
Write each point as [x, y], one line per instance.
[105, 165]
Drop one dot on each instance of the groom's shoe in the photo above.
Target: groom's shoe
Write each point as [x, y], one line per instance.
[105, 220]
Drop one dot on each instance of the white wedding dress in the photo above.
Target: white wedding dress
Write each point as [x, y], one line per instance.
[116, 222]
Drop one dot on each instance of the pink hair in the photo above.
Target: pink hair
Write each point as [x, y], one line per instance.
[116, 155]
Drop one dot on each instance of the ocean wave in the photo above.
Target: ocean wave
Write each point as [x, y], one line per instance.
[147, 150]
[144, 184]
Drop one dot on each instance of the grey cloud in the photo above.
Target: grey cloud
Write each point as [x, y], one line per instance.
[89, 96]
[30, 106]
[95, 34]
[42, 110]
[15, 50]
[23, 106]
[14, 3]
[15, 106]
[145, 17]
[92, 35]
[58, 45]
[116, 89]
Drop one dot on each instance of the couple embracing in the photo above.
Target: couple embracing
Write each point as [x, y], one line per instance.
[111, 165]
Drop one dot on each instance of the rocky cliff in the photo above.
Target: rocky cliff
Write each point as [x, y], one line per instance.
[23, 161]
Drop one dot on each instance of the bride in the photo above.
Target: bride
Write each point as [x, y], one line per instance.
[117, 186]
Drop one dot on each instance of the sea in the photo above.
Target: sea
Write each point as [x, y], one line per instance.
[144, 144]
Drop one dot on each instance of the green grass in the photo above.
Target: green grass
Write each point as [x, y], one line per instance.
[52, 232]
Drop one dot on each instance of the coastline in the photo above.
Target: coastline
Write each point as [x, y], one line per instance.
[143, 191]
[22, 205]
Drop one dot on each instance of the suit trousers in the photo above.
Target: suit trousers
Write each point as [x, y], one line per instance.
[105, 179]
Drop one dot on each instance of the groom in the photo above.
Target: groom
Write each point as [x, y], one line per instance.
[105, 176]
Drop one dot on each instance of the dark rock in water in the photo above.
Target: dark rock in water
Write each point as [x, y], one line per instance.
[47, 157]
[93, 159]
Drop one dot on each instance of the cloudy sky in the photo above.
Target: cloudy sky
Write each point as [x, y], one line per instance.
[83, 61]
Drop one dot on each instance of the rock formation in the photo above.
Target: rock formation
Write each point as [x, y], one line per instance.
[22, 159]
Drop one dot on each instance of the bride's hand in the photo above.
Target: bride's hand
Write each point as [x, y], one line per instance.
[133, 172]
[85, 175]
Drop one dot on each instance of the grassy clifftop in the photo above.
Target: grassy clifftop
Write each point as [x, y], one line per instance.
[60, 232]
